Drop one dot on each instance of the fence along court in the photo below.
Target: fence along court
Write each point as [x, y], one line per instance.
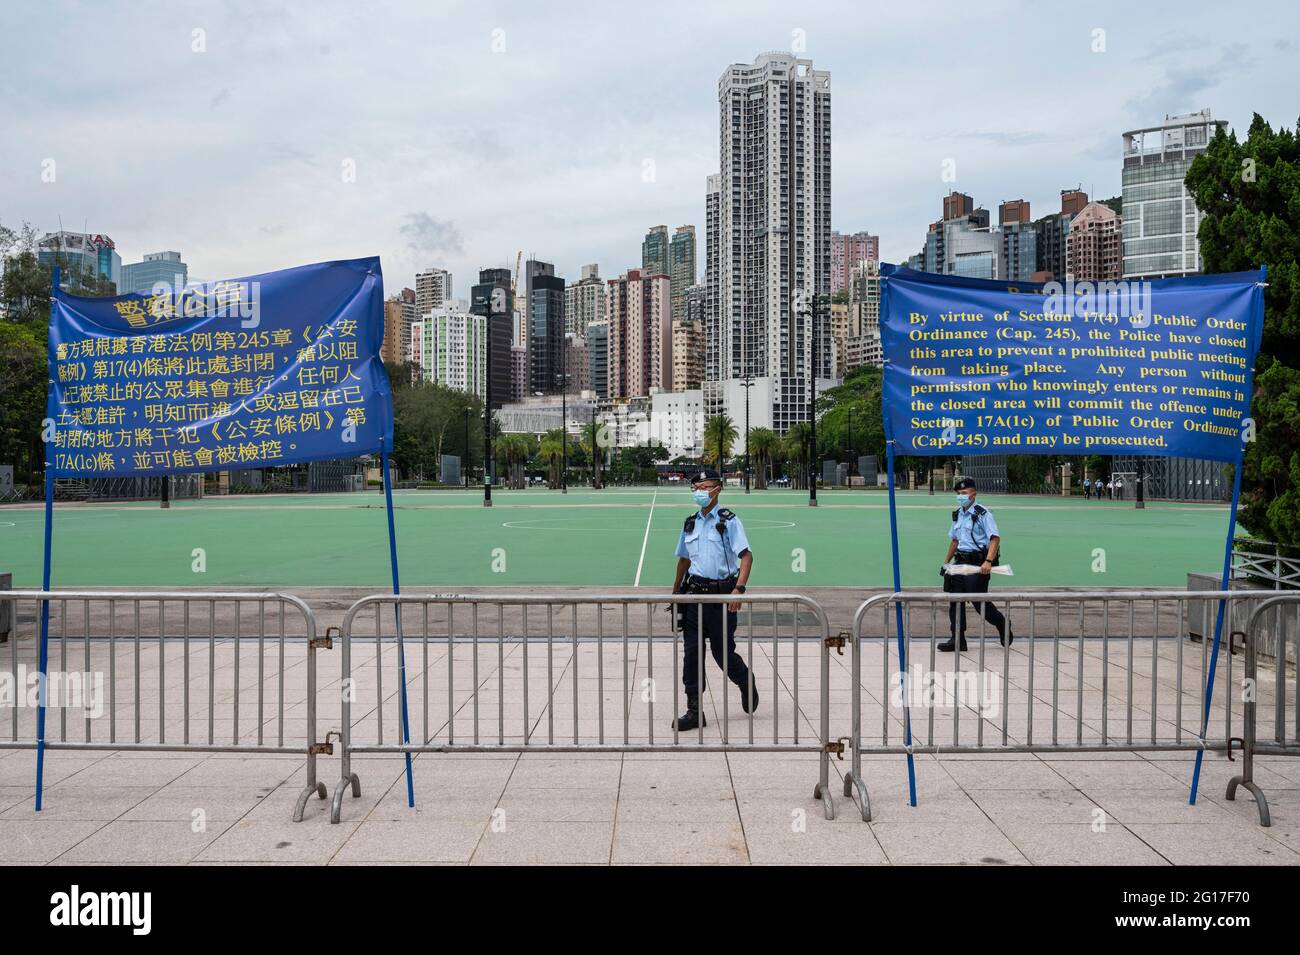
[575, 673]
[168, 671]
[1103, 672]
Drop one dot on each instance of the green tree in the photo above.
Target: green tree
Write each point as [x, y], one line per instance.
[763, 443]
[513, 451]
[849, 421]
[551, 453]
[719, 436]
[1250, 194]
[797, 444]
[23, 379]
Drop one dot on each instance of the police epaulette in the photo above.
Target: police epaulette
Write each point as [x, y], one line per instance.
[690, 524]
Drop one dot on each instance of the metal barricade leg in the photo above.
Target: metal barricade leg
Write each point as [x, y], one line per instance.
[1246, 780]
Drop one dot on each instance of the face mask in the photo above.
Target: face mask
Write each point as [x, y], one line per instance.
[962, 500]
[702, 498]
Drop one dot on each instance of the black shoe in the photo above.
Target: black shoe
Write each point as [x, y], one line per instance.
[948, 648]
[692, 719]
[1008, 638]
[749, 701]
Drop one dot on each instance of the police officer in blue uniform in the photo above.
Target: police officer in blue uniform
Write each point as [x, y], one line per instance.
[713, 557]
[974, 540]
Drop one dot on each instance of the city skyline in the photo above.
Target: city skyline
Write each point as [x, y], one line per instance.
[242, 179]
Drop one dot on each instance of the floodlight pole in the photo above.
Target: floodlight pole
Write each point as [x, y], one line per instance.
[1140, 503]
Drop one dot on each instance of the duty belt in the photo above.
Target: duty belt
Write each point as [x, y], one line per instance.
[707, 585]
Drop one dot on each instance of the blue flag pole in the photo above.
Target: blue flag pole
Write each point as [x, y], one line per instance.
[1218, 627]
[45, 604]
[397, 610]
[898, 617]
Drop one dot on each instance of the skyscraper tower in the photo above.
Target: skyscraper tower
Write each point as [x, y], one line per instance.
[773, 235]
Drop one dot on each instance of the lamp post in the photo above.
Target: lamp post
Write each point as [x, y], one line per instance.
[464, 458]
[497, 308]
[747, 382]
[812, 403]
[1140, 502]
[564, 417]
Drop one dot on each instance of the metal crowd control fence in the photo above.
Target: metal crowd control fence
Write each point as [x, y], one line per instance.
[1285, 738]
[163, 671]
[576, 673]
[1090, 671]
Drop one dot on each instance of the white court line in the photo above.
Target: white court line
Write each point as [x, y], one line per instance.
[645, 540]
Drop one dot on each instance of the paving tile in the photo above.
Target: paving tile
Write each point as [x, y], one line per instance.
[42, 840]
[1075, 844]
[1215, 845]
[305, 842]
[679, 843]
[424, 840]
[167, 843]
[946, 844]
[553, 843]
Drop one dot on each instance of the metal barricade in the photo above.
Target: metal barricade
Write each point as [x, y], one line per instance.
[167, 671]
[1088, 671]
[575, 673]
[1285, 738]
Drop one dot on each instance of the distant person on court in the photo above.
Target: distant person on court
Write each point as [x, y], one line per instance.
[1096, 486]
[1119, 490]
[713, 557]
[972, 540]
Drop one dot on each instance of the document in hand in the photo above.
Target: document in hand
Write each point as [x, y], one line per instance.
[963, 569]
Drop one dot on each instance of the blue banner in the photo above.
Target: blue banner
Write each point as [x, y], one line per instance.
[266, 370]
[1161, 368]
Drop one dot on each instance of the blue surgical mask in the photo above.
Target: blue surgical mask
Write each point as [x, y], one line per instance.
[962, 500]
[702, 498]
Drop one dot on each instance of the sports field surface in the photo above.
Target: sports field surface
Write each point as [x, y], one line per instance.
[617, 537]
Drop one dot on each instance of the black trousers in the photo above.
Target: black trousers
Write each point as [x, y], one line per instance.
[737, 672]
[971, 584]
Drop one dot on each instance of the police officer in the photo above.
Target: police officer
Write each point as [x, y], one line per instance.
[713, 557]
[972, 540]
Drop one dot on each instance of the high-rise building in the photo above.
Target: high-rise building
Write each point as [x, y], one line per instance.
[532, 269]
[961, 243]
[681, 268]
[1051, 234]
[545, 334]
[774, 236]
[390, 351]
[847, 253]
[432, 290]
[1094, 245]
[518, 373]
[449, 344]
[640, 353]
[1160, 218]
[689, 340]
[500, 357]
[93, 254]
[714, 340]
[156, 269]
[584, 302]
[408, 319]
[577, 365]
[654, 251]
[855, 325]
[598, 357]
[1019, 248]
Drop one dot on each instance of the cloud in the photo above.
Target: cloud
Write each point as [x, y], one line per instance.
[427, 235]
[1183, 84]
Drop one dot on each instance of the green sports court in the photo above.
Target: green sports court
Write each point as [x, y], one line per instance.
[615, 537]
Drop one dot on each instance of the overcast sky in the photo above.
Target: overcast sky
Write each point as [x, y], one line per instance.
[479, 129]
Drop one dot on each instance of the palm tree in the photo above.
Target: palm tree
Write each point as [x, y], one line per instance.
[762, 442]
[796, 446]
[594, 438]
[719, 435]
[513, 450]
[551, 451]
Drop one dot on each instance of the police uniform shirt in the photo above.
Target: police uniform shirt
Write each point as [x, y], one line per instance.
[713, 555]
[971, 534]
